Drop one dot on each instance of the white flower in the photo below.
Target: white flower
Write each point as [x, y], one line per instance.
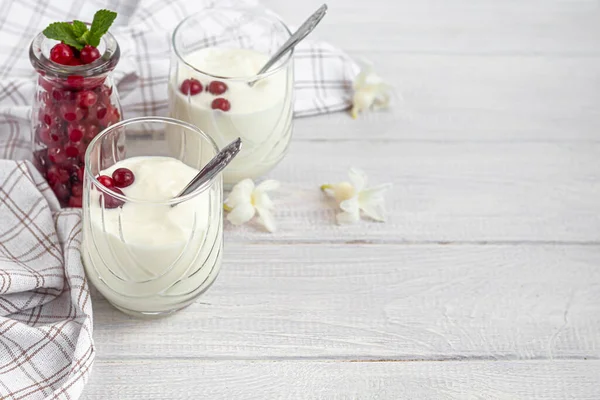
[245, 200]
[370, 91]
[353, 197]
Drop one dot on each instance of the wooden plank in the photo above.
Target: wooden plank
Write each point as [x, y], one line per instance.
[474, 98]
[468, 70]
[378, 302]
[545, 27]
[185, 379]
[444, 192]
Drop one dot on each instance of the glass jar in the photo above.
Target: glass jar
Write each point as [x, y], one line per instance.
[72, 105]
[216, 55]
[147, 252]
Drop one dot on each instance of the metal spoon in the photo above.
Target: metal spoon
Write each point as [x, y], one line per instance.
[213, 167]
[306, 28]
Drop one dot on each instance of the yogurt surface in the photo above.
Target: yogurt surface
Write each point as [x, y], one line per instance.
[148, 257]
[260, 114]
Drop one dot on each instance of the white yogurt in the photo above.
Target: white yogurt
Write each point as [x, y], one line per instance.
[261, 115]
[153, 258]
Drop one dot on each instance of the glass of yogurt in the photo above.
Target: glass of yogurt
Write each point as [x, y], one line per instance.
[213, 84]
[147, 252]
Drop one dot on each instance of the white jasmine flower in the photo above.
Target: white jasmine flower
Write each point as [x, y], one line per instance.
[246, 200]
[353, 197]
[370, 91]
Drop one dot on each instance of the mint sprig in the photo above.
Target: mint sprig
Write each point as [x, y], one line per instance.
[63, 31]
[103, 19]
[77, 34]
[79, 28]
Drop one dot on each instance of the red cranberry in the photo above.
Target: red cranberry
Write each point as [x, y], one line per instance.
[123, 177]
[111, 116]
[77, 190]
[57, 175]
[221, 104]
[75, 62]
[61, 190]
[75, 81]
[106, 181]
[71, 113]
[61, 54]
[50, 120]
[86, 98]
[110, 201]
[217, 87]
[89, 54]
[48, 115]
[48, 136]
[90, 131]
[56, 136]
[72, 150]
[58, 95]
[76, 131]
[191, 87]
[101, 112]
[75, 201]
[57, 155]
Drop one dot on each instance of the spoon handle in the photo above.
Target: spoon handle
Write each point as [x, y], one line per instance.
[297, 36]
[213, 167]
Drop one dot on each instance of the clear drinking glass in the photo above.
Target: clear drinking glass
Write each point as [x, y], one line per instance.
[222, 50]
[72, 105]
[151, 256]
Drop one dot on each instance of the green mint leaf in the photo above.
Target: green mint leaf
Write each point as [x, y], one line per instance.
[103, 19]
[79, 28]
[84, 38]
[63, 31]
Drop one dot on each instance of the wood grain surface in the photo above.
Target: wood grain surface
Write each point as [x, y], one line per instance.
[185, 379]
[298, 301]
[484, 283]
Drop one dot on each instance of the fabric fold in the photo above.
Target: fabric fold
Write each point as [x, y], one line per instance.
[46, 347]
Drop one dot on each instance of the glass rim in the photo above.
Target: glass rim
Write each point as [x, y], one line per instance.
[132, 121]
[106, 63]
[283, 64]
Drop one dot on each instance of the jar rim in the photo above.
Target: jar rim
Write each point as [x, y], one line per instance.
[283, 63]
[106, 63]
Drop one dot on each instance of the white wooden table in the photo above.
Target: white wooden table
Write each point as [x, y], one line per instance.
[485, 282]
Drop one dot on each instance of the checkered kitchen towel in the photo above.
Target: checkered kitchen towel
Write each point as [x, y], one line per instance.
[46, 347]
